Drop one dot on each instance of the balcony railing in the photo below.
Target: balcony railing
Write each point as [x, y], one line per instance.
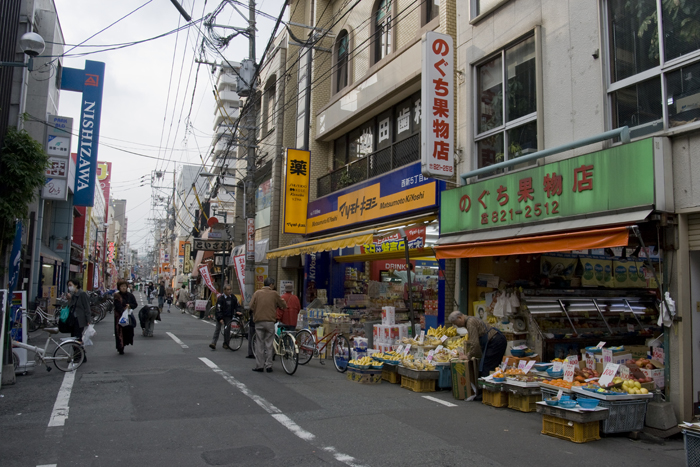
[397, 155]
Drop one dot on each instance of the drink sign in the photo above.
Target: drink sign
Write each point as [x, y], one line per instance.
[608, 374]
[590, 361]
[557, 367]
[600, 345]
[607, 356]
[569, 372]
[658, 354]
[529, 366]
[522, 364]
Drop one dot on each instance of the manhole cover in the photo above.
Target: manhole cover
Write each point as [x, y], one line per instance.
[238, 455]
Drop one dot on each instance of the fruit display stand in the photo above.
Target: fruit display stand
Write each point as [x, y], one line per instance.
[418, 381]
[627, 412]
[574, 425]
[521, 398]
[551, 391]
[493, 394]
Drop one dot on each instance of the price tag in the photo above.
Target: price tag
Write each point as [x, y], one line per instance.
[573, 359]
[438, 348]
[522, 364]
[608, 374]
[400, 349]
[529, 366]
[590, 361]
[430, 355]
[407, 350]
[504, 365]
[559, 394]
[607, 356]
[557, 367]
[443, 338]
[600, 345]
[658, 354]
[630, 328]
[624, 372]
[569, 372]
[422, 336]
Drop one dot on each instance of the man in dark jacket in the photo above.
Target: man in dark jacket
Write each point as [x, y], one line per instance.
[226, 309]
[161, 296]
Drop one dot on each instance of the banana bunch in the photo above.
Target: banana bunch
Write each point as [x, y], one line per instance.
[449, 331]
[441, 357]
[363, 361]
[491, 319]
[457, 344]
[419, 365]
[390, 356]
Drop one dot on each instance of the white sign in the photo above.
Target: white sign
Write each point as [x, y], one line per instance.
[658, 354]
[590, 361]
[400, 349]
[437, 106]
[630, 328]
[200, 305]
[529, 366]
[407, 349]
[607, 356]
[283, 285]
[239, 266]
[443, 338]
[624, 372]
[422, 336]
[430, 355]
[55, 188]
[556, 367]
[522, 364]
[438, 348]
[608, 374]
[573, 359]
[569, 372]
[600, 345]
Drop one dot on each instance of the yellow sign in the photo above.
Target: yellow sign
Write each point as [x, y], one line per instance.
[367, 204]
[296, 195]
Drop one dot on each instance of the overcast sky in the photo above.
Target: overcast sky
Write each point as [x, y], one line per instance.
[149, 89]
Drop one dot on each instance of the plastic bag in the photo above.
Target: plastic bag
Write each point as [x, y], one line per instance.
[499, 307]
[65, 312]
[124, 320]
[88, 333]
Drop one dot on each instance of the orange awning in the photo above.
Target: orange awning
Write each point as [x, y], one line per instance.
[579, 240]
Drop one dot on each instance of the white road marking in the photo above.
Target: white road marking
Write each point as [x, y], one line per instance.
[60, 408]
[278, 415]
[47, 465]
[173, 337]
[440, 401]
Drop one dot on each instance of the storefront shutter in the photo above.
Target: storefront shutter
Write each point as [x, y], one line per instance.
[694, 232]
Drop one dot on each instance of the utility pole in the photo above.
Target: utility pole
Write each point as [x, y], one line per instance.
[250, 162]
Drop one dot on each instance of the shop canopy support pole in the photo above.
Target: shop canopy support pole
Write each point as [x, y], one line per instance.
[402, 232]
[623, 133]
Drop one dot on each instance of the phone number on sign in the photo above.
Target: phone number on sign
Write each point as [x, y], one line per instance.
[537, 210]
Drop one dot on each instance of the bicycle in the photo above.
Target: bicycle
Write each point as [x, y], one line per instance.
[240, 327]
[285, 346]
[310, 346]
[39, 318]
[68, 355]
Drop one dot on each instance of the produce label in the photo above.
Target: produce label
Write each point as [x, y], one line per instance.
[607, 356]
[529, 366]
[504, 365]
[438, 348]
[522, 364]
[400, 349]
[573, 359]
[569, 372]
[590, 361]
[407, 349]
[600, 345]
[608, 374]
[624, 372]
[557, 367]
[559, 394]
[430, 355]
[422, 336]
[658, 354]
[443, 338]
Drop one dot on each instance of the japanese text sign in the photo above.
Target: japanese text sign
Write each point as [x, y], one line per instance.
[204, 271]
[437, 101]
[210, 245]
[607, 356]
[569, 372]
[590, 361]
[250, 239]
[296, 193]
[573, 359]
[608, 374]
[658, 354]
[529, 366]
[617, 178]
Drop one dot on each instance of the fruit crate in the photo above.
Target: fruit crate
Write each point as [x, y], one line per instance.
[572, 431]
[524, 403]
[625, 416]
[445, 379]
[418, 385]
[692, 447]
[494, 398]
[364, 376]
[391, 376]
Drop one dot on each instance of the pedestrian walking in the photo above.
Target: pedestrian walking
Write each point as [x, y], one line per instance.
[264, 306]
[79, 306]
[226, 309]
[123, 300]
[182, 297]
[149, 292]
[288, 316]
[168, 296]
[161, 296]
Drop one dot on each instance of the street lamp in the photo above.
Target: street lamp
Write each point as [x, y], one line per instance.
[31, 44]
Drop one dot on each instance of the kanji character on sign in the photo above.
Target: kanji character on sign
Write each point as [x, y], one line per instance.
[297, 167]
[440, 108]
[552, 184]
[441, 150]
[441, 88]
[441, 129]
[526, 190]
[586, 181]
[502, 195]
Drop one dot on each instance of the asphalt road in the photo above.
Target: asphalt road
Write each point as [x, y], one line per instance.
[172, 401]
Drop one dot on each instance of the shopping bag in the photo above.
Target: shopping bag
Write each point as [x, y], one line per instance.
[88, 333]
[65, 312]
[124, 320]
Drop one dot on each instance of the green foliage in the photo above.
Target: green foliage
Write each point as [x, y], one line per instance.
[23, 163]
[345, 180]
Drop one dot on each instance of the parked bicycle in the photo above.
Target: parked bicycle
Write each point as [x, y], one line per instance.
[284, 346]
[310, 346]
[67, 356]
[40, 317]
[240, 327]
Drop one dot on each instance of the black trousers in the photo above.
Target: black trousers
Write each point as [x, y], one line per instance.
[495, 351]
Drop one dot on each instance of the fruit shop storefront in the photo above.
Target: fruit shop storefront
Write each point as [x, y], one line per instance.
[355, 259]
[564, 255]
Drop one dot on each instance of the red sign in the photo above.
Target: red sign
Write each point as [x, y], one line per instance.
[394, 242]
[204, 271]
[104, 177]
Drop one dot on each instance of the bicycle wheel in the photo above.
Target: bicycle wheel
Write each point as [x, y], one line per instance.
[288, 351]
[236, 340]
[68, 356]
[306, 344]
[341, 353]
[32, 322]
[254, 342]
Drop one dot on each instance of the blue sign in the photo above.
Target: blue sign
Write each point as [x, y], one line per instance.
[15, 258]
[90, 83]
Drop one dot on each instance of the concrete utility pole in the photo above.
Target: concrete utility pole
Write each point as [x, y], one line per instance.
[251, 119]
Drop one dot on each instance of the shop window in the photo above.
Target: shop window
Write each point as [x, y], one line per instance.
[648, 69]
[507, 114]
[341, 61]
[382, 30]
[479, 7]
[431, 10]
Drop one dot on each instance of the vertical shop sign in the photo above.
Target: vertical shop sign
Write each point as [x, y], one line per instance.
[204, 271]
[437, 106]
[187, 264]
[57, 144]
[296, 193]
[239, 266]
[250, 239]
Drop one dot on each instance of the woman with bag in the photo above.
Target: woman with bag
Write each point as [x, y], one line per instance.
[124, 302]
[79, 307]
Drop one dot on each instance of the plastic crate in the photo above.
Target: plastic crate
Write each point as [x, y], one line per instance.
[494, 398]
[418, 385]
[445, 379]
[524, 403]
[625, 416]
[692, 447]
[364, 376]
[391, 376]
[572, 431]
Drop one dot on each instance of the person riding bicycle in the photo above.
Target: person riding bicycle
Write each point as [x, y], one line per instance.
[226, 309]
[288, 316]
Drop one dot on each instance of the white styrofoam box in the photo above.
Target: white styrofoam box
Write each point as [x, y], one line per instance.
[356, 355]
[403, 330]
[390, 333]
[657, 375]
[388, 315]
[616, 358]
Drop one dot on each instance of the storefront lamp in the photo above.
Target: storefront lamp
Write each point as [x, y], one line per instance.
[31, 44]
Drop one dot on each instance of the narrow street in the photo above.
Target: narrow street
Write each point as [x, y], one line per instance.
[170, 400]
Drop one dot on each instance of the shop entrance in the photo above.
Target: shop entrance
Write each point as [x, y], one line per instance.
[695, 314]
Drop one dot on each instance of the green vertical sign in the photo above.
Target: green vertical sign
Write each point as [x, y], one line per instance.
[616, 178]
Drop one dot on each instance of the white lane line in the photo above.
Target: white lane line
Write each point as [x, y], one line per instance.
[173, 337]
[60, 408]
[440, 401]
[47, 465]
[278, 415]
[203, 320]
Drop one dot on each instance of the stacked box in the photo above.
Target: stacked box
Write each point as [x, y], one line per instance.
[388, 315]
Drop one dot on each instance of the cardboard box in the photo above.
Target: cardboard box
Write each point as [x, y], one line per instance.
[657, 375]
[463, 379]
[637, 351]
[617, 357]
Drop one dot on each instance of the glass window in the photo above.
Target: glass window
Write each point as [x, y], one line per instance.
[480, 6]
[632, 33]
[491, 95]
[432, 10]
[520, 69]
[361, 141]
[684, 95]
[382, 30]
[340, 152]
[342, 61]
[490, 150]
[638, 104]
[681, 22]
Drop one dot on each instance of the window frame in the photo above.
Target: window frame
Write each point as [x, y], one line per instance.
[506, 125]
[336, 62]
[661, 71]
[387, 22]
[427, 10]
[268, 121]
